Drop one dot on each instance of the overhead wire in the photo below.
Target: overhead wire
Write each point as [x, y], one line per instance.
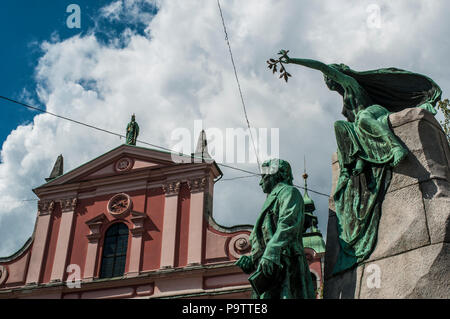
[110, 132]
[239, 85]
[252, 174]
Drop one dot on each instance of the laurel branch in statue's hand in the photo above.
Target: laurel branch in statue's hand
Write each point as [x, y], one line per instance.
[273, 64]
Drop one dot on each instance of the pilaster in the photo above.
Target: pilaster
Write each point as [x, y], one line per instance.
[45, 210]
[171, 190]
[94, 225]
[136, 243]
[68, 206]
[196, 220]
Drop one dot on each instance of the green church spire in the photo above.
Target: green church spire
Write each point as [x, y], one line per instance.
[312, 238]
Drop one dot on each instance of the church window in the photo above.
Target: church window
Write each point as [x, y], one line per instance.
[114, 251]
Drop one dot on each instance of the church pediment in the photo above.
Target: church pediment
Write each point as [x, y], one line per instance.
[122, 165]
[121, 160]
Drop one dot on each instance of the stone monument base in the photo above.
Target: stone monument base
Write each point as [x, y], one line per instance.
[412, 255]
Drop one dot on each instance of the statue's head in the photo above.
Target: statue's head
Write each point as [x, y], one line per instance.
[333, 85]
[275, 171]
[133, 118]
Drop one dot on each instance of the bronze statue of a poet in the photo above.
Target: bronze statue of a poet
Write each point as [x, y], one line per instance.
[277, 259]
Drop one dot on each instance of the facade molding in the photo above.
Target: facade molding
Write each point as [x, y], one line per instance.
[171, 188]
[46, 207]
[68, 204]
[197, 184]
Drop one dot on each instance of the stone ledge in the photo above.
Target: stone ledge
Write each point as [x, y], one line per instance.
[415, 168]
[410, 115]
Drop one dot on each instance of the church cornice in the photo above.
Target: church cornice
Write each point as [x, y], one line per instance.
[96, 283]
[131, 180]
[171, 161]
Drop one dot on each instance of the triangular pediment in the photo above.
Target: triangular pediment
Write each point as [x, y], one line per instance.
[121, 165]
[124, 159]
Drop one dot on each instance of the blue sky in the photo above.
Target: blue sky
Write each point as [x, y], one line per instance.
[24, 25]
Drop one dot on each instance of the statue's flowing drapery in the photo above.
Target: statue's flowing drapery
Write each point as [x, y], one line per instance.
[367, 136]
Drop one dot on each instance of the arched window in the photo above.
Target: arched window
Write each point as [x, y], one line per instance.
[114, 251]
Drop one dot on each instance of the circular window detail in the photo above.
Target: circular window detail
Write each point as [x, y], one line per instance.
[124, 164]
[119, 205]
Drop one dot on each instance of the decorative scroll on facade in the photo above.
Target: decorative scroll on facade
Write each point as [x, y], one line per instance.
[239, 245]
[45, 207]
[3, 274]
[171, 188]
[68, 204]
[197, 185]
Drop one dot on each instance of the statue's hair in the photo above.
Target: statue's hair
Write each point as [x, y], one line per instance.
[281, 169]
[342, 68]
[393, 88]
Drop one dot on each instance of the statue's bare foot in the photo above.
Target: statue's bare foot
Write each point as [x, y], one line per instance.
[358, 167]
[399, 154]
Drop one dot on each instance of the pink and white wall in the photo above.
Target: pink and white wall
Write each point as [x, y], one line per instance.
[175, 249]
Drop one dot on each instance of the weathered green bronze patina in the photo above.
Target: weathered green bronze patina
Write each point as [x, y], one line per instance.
[367, 147]
[277, 256]
[132, 131]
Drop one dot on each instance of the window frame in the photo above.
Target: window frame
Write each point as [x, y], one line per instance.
[118, 253]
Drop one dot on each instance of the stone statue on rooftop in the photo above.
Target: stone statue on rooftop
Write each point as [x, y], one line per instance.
[277, 259]
[367, 147]
[132, 131]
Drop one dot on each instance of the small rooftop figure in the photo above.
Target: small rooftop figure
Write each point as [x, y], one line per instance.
[132, 131]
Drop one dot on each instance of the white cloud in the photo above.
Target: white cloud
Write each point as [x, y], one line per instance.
[127, 11]
[182, 73]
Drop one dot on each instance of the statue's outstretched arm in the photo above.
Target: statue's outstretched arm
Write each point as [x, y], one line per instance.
[327, 70]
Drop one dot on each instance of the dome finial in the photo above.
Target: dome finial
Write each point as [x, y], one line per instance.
[309, 203]
[305, 175]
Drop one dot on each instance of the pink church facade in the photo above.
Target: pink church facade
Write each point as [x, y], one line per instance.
[132, 223]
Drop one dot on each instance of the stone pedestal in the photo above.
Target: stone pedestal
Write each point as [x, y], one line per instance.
[412, 255]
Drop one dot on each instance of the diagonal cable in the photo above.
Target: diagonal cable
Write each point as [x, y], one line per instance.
[239, 85]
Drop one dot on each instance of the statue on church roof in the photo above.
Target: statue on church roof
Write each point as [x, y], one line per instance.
[277, 259]
[132, 131]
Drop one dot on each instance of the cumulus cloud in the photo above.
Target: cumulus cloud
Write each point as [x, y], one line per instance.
[179, 70]
[128, 11]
